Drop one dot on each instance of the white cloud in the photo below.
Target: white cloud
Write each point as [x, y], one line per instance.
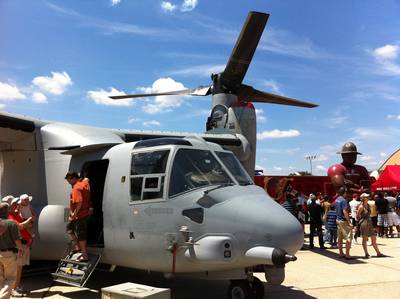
[389, 52]
[115, 2]
[10, 92]
[366, 158]
[56, 84]
[277, 168]
[391, 116]
[116, 27]
[39, 98]
[132, 120]
[375, 134]
[320, 167]
[382, 154]
[163, 103]
[2, 106]
[336, 121]
[287, 43]
[200, 70]
[151, 123]
[386, 56]
[167, 6]
[260, 116]
[280, 151]
[101, 97]
[278, 134]
[321, 157]
[188, 5]
[273, 85]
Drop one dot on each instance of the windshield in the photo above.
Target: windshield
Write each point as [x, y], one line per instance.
[234, 166]
[193, 169]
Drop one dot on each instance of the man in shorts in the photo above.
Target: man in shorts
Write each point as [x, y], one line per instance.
[79, 213]
[382, 208]
[26, 241]
[393, 218]
[10, 250]
[345, 227]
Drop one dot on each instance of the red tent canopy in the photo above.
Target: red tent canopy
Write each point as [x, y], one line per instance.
[389, 180]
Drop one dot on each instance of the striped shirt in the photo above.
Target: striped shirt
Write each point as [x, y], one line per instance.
[331, 219]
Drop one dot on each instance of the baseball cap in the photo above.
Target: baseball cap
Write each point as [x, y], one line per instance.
[7, 199]
[24, 196]
[364, 195]
[14, 200]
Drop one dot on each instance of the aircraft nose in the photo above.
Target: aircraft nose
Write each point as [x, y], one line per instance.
[289, 234]
[260, 221]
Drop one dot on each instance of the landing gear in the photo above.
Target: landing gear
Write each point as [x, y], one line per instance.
[257, 288]
[246, 289]
[239, 289]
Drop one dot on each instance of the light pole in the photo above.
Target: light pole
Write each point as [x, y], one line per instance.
[311, 158]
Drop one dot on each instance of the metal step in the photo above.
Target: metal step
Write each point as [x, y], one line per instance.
[73, 272]
[67, 277]
[75, 262]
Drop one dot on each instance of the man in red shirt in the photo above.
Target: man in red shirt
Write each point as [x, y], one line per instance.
[26, 240]
[79, 213]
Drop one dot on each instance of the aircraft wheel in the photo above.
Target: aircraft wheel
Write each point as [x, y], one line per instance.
[240, 289]
[257, 288]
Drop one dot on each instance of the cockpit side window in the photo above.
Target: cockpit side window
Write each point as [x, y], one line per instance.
[235, 168]
[193, 169]
[148, 175]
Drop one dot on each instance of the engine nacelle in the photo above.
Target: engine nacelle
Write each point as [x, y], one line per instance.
[51, 240]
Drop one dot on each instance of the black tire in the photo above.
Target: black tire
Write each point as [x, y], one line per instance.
[257, 288]
[240, 289]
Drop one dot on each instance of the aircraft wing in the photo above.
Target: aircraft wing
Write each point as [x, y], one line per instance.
[221, 137]
[18, 132]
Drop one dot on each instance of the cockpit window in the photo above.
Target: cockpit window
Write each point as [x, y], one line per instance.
[193, 169]
[234, 166]
[149, 162]
[148, 175]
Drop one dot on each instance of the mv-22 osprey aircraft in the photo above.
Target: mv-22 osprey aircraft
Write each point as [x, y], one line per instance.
[168, 202]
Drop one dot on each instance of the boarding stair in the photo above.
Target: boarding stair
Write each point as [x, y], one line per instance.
[73, 272]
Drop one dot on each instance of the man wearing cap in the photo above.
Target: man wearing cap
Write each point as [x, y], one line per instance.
[79, 213]
[26, 241]
[10, 249]
[354, 177]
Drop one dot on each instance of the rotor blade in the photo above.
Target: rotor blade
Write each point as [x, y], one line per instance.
[143, 95]
[244, 49]
[254, 95]
[198, 91]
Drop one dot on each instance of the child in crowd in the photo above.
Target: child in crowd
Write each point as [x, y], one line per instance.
[332, 226]
[26, 211]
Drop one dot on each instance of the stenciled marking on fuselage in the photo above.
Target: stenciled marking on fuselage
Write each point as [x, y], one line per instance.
[158, 211]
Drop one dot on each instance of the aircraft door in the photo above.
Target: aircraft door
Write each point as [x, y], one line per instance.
[134, 193]
[96, 172]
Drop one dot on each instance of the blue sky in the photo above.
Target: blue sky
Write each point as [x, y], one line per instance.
[60, 59]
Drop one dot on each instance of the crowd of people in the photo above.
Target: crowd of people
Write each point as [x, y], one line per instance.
[17, 222]
[343, 218]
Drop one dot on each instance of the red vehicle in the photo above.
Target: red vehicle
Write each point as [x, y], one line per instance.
[303, 184]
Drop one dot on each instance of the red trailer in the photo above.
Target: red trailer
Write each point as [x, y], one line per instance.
[303, 184]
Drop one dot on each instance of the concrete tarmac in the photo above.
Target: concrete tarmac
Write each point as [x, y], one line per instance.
[316, 274]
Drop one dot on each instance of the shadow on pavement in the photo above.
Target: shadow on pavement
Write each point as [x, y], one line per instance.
[335, 255]
[278, 292]
[42, 286]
